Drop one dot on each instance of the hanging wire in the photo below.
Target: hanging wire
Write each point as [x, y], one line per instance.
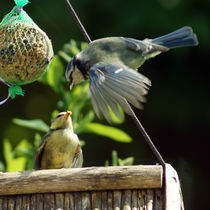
[134, 117]
[145, 135]
[5, 100]
[76, 18]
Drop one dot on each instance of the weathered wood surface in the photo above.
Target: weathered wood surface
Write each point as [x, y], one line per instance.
[173, 193]
[81, 179]
[98, 200]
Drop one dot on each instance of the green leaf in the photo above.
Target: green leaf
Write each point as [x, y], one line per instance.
[53, 76]
[64, 55]
[114, 158]
[37, 140]
[79, 127]
[83, 45]
[2, 166]
[82, 143]
[108, 131]
[13, 164]
[114, 118]
[106, 163]
[33, 124]
[126, 162]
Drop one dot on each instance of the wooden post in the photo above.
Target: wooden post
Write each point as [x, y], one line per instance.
[173, 193]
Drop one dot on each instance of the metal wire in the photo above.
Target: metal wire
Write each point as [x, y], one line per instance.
[146, 136]
[76, 18]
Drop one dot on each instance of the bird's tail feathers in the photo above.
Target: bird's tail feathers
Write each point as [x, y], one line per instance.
[180, 38]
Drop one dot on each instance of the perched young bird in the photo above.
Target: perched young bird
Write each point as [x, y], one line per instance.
[109, 64]
[60, 148]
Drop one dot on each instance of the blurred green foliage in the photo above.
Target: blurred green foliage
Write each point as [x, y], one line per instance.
[116, 161]
[78, 101]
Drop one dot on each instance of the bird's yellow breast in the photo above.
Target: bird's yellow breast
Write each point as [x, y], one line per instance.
[60, 149]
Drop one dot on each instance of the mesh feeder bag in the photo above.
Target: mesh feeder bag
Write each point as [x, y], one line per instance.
[25, 50]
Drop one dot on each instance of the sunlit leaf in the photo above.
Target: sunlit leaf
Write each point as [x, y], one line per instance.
[85, 120]
[114, 158]
[64, 55]
[71, 48]
[37, 140]
[106, 163]
[33, 124]
[126, 162]
[114, 118]
[23, 149]
[2, 166]
[83, 45]
[13, 164]
[82, 143]
[108, 131]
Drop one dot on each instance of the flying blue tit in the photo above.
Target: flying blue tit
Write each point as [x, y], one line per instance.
[60, 148]
[109, 64]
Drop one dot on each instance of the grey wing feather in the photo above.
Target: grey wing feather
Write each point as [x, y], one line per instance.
[38, 157]
[145, 47]
[78, 158]
[113, 85]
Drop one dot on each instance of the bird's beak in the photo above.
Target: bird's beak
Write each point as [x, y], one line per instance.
[68, 113]
[71, 86]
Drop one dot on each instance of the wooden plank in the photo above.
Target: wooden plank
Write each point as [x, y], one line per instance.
[134, 201]
[39, 201]
[93, 178]
[11, 203]
[158, 202]
[59, 201]
[4, 205]
[69, 201]
[1, 203]
[104, 200]
[18, 205]
[117, 196]
[126, 200]
[173, 194]
[26, 202]
[150, 197]
[142, 199]
[33, 202]
[96, 200]
[49, 201]
[110, 200]
[86, 201]
[77, 201]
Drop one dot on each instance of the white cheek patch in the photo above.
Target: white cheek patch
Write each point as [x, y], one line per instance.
[118, 70]
[77, 76]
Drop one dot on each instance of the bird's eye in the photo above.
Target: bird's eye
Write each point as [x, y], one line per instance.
[78, 63]
[58, 116]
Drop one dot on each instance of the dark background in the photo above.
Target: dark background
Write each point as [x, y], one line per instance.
[177, 114]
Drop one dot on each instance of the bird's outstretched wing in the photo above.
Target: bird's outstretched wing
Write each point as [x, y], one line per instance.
[38, 157]
[111, 85]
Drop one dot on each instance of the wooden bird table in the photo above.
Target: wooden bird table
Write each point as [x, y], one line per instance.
[116, 187]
